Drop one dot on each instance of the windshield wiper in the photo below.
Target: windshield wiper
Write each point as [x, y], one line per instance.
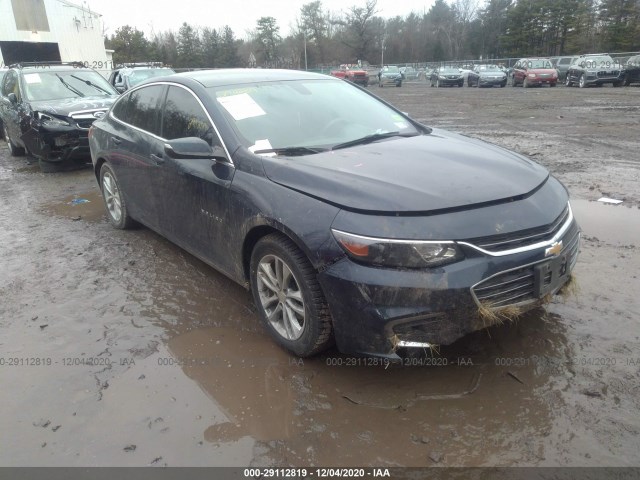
[372, 138]
[291, 151]
[77, 92]
[90, 83]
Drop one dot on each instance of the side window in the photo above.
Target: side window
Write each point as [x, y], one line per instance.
[120, 108]
[185, 117]
[142, 109]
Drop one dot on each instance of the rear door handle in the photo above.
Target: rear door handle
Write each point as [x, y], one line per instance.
[116, 140]
[156, 159]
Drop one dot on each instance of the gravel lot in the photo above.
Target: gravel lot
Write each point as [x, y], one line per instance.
[118, 348]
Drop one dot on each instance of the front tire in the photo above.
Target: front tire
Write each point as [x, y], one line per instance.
[582, 81]
[117, 211]
[288, 296]
[14, 150]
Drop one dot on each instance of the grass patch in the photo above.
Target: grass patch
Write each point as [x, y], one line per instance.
[569, 289]
[498, 315]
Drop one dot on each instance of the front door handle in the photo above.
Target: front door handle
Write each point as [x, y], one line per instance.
[116, 140]
[156, 159]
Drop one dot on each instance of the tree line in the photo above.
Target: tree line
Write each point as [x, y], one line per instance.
[449, 30]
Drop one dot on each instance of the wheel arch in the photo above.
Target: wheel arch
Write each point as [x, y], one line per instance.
[261, 230]
[96, 170]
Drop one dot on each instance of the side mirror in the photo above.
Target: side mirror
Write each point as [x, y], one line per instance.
[192, 148]
[12, 98]
[120, 87]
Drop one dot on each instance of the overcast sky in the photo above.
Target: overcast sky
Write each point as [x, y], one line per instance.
[240, 15]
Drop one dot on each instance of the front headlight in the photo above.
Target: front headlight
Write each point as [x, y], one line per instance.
[384, 252]
[531, 75]
[48, 120]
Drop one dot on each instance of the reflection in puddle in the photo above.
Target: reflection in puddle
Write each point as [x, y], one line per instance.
[613, 224]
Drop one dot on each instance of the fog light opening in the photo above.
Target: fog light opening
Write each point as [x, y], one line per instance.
[427, 347]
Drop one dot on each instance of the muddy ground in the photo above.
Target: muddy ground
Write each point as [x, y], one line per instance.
[118, 348]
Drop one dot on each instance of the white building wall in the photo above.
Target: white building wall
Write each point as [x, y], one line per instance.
[77, 32]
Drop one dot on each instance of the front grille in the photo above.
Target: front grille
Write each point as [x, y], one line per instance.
[517, 286]
[614, 73]
[508, 288]
[85, 118]
[522, 238]
[85, 122]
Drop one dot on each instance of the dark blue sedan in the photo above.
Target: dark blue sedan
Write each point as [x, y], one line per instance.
[349, 222]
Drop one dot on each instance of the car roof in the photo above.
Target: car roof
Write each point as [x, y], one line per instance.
[235, 76]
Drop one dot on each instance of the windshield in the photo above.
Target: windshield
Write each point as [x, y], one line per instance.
[52, 85]
[391, 70]
[539, 64]
[139, 75]
[450, 71]
[305, 113]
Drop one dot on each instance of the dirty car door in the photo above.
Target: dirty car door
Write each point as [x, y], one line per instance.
[194, 192]
[136, 128]
[13, 114]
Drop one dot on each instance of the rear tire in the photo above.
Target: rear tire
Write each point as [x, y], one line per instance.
[582, 81]
[117, 211]
[288, 296]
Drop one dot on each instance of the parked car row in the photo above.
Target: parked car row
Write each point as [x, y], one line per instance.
[583, 71]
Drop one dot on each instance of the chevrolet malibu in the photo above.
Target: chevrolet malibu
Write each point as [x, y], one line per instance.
[348, 221]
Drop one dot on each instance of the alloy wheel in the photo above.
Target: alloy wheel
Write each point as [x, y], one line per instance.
[281, 297]
[582, 82]
[112, 197]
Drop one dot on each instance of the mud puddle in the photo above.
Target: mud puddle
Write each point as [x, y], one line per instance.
[617, 225]
[87, 206]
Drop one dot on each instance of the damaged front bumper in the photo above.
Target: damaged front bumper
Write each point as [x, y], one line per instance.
[58, 140]
[380, 311]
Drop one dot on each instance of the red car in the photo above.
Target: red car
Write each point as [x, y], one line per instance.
[352, 74]
[534, 71]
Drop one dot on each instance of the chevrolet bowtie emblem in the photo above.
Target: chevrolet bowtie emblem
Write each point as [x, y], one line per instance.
[554, 249]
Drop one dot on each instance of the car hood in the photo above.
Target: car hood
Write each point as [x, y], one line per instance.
[65, 107]
[425, 173]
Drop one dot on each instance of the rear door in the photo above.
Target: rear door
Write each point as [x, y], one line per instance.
[135, 130]
[12, 113]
